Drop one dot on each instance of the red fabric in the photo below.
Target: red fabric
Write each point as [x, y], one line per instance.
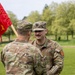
[5, 21]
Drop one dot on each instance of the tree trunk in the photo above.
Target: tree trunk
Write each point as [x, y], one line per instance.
[0, 39]
[72, 33]
[9, 36]
[67, 36]
[59, 38]
[56, 37]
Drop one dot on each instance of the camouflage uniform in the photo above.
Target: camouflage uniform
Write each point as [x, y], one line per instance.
[53, 56]
[21, 58]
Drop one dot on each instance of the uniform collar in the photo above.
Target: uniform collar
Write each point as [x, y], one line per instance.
[23, 41]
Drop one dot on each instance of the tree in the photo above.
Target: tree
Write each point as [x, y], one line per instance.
[24, 18]
[57, 28]
[34, 16]
[14, 20]
[48, 17]
[72, 26]
[66, 12]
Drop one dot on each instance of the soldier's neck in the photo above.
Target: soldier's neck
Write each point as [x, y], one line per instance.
[23, 38]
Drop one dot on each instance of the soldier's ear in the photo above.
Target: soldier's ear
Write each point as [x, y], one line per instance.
[29, 33]
[46, 31]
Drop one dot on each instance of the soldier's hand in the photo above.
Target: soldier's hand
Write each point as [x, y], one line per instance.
[49, 73]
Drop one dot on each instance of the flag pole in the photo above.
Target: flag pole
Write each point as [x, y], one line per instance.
[0, 38]
[14, 30]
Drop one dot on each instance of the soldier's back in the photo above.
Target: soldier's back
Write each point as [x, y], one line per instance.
[19, 58]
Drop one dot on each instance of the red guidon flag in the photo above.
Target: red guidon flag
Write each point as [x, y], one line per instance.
[5, 21]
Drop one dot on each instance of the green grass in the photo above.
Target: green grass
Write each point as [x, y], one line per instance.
[67, 43]
[2, 70]
[63, 41]
[69, 61]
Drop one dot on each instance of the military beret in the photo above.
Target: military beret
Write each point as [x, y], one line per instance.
[40, 25]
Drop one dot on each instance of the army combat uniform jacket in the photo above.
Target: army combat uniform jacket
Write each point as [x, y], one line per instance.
[53, 57]
[20, 58]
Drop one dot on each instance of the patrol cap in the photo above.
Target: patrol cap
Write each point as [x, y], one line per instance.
[40, 25]
[24, 26]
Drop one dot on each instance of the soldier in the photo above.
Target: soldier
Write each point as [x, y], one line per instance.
[20, 57]
[53, 55]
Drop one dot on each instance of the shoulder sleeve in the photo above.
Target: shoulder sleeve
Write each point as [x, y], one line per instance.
[58, 59]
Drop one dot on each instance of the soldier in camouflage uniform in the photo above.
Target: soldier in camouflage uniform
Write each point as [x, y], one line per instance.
[53, 55]
[20, 57]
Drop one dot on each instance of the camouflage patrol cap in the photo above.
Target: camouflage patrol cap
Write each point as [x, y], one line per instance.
[40, 25]
[24, 26]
